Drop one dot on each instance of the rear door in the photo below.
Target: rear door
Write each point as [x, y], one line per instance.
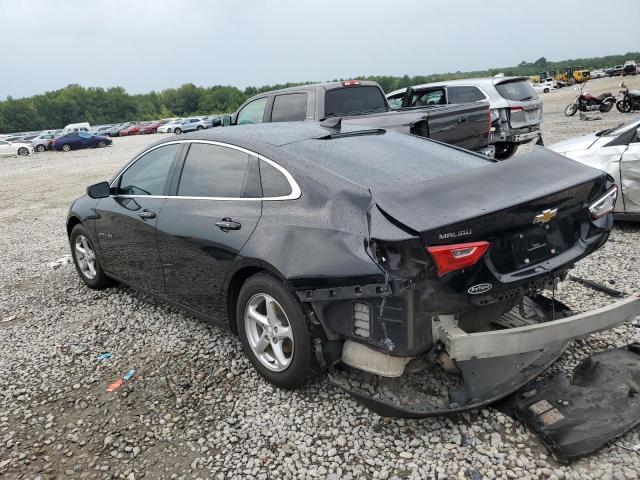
[630, 175]
[525, 107]
[126, 221]
[214, 206]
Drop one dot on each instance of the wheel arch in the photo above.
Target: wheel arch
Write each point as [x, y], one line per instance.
[71, 223]
[237, 278]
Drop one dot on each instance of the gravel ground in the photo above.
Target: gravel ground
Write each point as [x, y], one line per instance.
[195, 408]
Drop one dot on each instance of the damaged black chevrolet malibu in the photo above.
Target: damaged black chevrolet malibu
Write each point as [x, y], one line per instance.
[411, 270]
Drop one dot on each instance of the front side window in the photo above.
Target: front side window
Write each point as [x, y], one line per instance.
[395, 102]
[149, 174]
[428, 97]
[252, 112]
[85, 134]
[464, 94]
[289, 108]
[216, 171]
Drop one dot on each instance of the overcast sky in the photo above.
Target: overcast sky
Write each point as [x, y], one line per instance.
[146, 45]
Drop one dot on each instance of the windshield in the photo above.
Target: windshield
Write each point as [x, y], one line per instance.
[520, 91]
[353, 100]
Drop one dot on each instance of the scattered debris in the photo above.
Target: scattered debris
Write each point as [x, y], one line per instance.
[129, 375]
[104, 356]
[597, 286]
[115, 385]
[60, 262]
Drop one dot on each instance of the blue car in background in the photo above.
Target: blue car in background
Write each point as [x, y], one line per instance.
[79, 140]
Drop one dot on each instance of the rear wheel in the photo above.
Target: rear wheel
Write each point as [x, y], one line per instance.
[40, 148]
[200, 127]
[605, 107]
[624, 107]
[546, 90]
[66, 147]
[23, 152]
[274, 332]
[505, 150]
[571, 110]
[178, 131]
[85, 259]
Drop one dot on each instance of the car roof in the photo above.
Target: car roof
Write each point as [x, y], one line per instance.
[480, 82]
[314, 86]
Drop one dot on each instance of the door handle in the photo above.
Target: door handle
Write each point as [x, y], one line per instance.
[227, 224]
[147, 215]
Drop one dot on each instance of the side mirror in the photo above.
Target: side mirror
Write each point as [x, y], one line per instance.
[226, 121]
[99, 190]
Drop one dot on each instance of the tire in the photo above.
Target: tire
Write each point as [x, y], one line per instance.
[624, 107]
[66, 147]
[94, 277]
[571, 110]
[178, 131]
[40, 148]
[605, 107]
[505, 150]
[23, 152]
[102, 144]
[295, 363]
[546, 90]
[200, 127]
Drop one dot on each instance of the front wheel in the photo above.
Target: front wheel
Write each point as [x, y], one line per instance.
[546, 90]
[605, 107]
[274, 332]
[571, 110]
[505, 150]
[624, 107]
[200, 127]
[85, 259]
[40, 148]
[178, 131]
[102, 144]
[23, 152]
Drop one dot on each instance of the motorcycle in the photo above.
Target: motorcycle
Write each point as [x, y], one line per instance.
[629, 100]
[585, 102]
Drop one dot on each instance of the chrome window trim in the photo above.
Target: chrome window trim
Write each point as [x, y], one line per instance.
[295, 188]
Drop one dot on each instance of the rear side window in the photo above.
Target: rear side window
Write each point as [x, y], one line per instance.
[274, 183]
[464, 94]
[149, 174]
[353, 100]
[215, 171]
[289, 108]
[252, 112]
[395, 102]
[423, 98]
[520, 90]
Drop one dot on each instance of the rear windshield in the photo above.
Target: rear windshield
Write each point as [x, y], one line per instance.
[387, 160]
[353, 100]
[520, 90]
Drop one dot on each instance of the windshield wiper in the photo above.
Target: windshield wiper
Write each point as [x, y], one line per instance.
[526, 98]
[356, 133]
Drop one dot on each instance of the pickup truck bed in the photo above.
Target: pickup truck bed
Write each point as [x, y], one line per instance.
[364, 103]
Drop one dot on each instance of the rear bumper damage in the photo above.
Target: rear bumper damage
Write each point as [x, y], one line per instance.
[469, 370]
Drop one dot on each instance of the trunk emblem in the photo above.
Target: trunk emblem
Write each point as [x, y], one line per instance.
[480, 288]
[545, 216]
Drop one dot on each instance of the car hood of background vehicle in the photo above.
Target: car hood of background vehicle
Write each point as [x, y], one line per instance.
[574, 144]
[451, 199]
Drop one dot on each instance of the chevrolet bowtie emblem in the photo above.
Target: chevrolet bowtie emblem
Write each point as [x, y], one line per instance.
[545, 216]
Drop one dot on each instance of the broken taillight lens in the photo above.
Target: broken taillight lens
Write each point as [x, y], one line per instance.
[604, 204]
[455, 257]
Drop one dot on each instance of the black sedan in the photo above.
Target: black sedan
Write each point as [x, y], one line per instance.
[355, 250]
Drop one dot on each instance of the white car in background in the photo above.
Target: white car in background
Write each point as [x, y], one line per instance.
[545, 86]
[15, 148]
[617, 152]
[170, 126]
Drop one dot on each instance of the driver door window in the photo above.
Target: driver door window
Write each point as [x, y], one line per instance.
[149, 175]
[252, 112]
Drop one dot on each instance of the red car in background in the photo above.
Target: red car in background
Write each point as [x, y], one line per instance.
[133, 129]
[152, 127]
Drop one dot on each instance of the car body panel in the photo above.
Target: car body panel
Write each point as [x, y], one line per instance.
[12, 148]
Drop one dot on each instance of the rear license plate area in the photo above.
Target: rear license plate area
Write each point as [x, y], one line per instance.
[535, 245]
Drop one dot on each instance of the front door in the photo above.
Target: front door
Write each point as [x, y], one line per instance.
[126, 221]
[205, 222]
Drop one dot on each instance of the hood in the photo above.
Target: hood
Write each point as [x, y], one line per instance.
[574, 144]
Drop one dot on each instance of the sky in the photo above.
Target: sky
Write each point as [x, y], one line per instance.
[145, 45]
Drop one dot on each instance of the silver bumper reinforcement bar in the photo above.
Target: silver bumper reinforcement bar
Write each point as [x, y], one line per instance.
[461, 345]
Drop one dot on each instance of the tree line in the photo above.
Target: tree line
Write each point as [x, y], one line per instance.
[97, 105]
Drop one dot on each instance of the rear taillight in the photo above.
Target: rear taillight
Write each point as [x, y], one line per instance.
[350, 83]
[604, 204]
[455, 257]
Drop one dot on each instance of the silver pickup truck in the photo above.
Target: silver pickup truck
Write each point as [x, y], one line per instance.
[364, 103]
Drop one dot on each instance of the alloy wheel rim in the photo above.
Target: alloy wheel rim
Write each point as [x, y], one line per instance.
[85, 256]
[269, 332]
[66, 148]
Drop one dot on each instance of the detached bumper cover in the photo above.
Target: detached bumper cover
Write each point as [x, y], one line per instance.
[468, 346]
